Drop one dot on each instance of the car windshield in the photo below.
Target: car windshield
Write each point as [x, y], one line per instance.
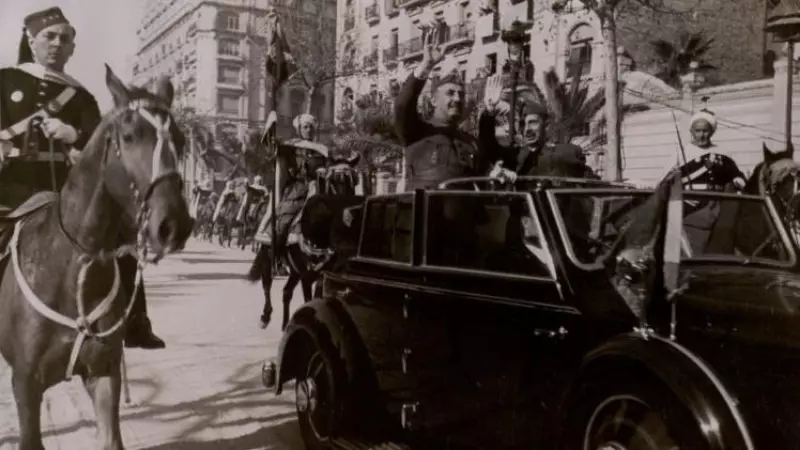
[716, 226]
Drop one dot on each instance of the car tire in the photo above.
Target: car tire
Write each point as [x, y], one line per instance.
[638, 414]
[317, 398]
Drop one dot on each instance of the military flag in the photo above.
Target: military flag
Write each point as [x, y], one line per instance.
[645, 262]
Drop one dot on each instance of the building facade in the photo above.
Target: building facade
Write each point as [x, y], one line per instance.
[214, 52]
[382, 40]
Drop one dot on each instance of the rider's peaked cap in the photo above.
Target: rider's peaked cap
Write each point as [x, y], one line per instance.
[33, 24]
[534, 108]
[40, 20]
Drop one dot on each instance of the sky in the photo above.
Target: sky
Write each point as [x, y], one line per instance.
[106, 35]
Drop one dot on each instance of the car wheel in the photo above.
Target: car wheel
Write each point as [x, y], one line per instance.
[639, 416]
[316, 400]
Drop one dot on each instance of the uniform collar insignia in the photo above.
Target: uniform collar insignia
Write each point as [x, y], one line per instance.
[43, 73]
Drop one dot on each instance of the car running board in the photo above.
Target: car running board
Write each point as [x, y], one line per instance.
[357, 444]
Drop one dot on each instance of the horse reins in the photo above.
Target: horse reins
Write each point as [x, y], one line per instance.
[82, 324]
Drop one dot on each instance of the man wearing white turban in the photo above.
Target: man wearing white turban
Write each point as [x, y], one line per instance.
[702, 166]
[306, 126]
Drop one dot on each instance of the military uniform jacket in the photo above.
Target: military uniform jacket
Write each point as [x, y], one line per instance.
[28, 88]
[433, 153]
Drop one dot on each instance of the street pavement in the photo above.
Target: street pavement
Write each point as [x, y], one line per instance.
[203, 391]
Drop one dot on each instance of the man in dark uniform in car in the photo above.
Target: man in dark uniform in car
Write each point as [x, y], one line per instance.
[435, 150]
[40, 105]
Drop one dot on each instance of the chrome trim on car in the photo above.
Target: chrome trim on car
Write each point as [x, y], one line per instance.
[442, 291]
[562, 230]
[730, 401]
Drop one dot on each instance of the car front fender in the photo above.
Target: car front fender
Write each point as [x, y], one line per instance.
[690, 379]
[325, 324]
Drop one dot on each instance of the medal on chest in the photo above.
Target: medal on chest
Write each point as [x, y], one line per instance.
[17, 96]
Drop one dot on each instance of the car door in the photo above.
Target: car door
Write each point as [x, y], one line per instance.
[498, 315]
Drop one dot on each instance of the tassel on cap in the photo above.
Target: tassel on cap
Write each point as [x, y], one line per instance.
[25, 54]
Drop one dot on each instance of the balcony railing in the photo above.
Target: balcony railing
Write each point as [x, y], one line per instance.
[410, 3]
[372, 14]
[461, 33]
[410, 48]
[371, 61]
[390, 55]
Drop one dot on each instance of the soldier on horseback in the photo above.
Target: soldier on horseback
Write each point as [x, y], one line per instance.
[299, 162]
[702, 166]
[46, 118]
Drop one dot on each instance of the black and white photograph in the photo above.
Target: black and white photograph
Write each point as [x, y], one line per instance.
[399, 225]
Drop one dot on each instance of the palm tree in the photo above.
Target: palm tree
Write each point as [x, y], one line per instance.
[674, 58]
[372, 135]
[573, 108]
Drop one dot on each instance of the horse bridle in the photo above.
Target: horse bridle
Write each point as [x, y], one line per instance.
[159, 174]
[790, 213]
[339, 169]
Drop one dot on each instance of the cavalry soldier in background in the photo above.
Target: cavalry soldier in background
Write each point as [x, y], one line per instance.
[702, 166]
[47, 117]
[200, 194]
[226, 198]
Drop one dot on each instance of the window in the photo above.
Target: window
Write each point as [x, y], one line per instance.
[394, 40]
[463, 12]
[388, 229]
[229, 47]
[591, 222]
[491, 63]
[297, 99]
[228, 20]
[579, 58]
[228, 74]
[228, 103]
[484, 231]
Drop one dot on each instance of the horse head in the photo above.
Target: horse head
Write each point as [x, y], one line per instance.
[143, 146]
[340, 176]
[778, 176]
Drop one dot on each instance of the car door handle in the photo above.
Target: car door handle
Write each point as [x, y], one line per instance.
[560, 333]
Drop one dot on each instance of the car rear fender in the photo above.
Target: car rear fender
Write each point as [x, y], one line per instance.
[325, 323]
[690, 379]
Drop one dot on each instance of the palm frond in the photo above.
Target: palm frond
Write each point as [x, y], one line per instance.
[664, 50]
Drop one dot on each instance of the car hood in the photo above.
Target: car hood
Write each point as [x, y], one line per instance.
[759, 305]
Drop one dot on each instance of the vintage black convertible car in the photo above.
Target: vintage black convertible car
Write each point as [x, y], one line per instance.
[486, 318]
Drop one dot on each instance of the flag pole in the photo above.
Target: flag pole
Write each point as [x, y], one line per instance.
[275, 168]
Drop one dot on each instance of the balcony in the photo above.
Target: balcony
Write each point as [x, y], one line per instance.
[349, 22]
[390, 56]
[460, 34]
[372, 14]
[371, 61]
[411, 48]
[410, 3]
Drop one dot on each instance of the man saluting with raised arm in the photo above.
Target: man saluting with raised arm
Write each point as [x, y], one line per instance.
[436, 151]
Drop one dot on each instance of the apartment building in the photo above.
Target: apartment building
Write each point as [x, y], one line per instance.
[380, 41]
[214, 51]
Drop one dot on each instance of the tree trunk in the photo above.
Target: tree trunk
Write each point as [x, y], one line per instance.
[310, 101]
[613, 156]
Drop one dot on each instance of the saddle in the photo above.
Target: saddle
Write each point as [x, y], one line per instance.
[9, 217]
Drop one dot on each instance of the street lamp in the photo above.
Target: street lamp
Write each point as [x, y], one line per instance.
[784, 23]
[514, 38]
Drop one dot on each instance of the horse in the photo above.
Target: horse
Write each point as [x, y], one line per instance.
[778, 177]
[305, 262]
[226, 222]
[251, 211]
[62, 311]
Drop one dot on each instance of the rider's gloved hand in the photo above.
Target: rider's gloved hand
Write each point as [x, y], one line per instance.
[56, 129]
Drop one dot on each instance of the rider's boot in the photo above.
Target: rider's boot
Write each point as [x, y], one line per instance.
[138, 330]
